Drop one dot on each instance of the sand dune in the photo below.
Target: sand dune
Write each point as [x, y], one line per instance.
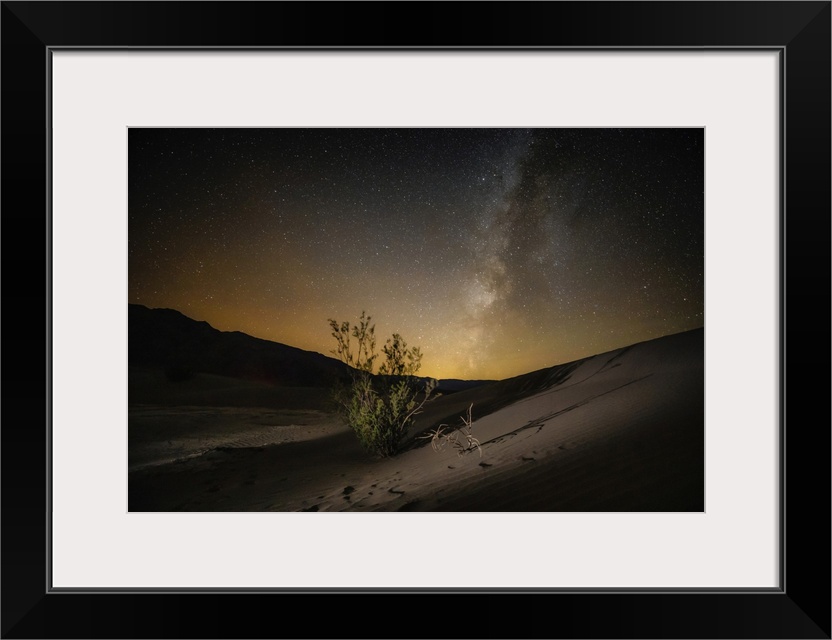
[621, 431]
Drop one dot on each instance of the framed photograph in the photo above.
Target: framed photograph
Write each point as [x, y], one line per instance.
[655, 174]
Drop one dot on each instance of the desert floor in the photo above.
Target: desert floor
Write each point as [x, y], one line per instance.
[621, 431]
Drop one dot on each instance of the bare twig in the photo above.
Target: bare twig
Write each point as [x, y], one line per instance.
[436, 437]
[439, 438]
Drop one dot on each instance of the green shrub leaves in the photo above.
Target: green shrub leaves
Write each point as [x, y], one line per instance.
[379, 409]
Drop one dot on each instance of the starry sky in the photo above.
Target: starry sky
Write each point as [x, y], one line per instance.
[497, 251]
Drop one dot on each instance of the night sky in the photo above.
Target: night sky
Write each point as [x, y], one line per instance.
[497, 251]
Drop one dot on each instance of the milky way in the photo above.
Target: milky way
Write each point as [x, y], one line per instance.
[498, 251]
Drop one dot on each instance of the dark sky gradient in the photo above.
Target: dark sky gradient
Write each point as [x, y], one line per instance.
[498, 251]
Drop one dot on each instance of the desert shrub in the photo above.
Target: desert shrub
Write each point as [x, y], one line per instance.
[379, 409]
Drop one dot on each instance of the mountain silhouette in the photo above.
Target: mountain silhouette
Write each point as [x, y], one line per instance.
[181, 346]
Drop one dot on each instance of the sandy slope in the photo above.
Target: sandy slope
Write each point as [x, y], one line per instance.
[622, 431]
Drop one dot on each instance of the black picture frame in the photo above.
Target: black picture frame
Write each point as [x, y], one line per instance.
[800, 31]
